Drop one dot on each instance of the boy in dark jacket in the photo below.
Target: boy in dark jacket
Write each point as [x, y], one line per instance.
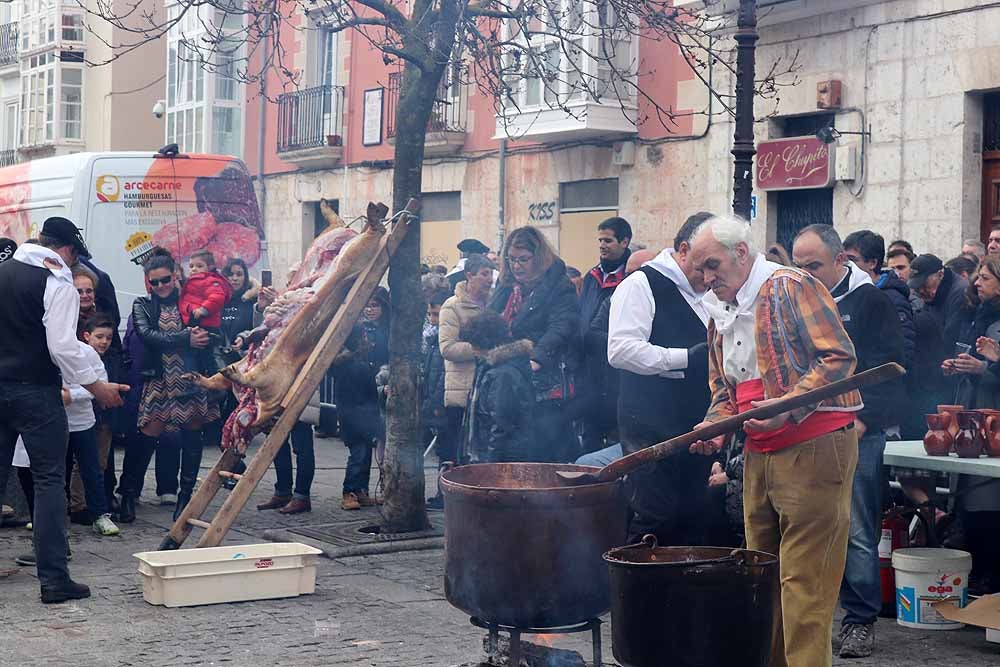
[432, 390]
[503, 397]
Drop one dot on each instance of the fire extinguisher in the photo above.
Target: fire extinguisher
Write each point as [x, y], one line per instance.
[895, 535]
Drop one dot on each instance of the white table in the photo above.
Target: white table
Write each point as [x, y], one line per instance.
[911, 454]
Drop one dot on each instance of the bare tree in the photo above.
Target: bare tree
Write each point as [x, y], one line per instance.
[550, 53]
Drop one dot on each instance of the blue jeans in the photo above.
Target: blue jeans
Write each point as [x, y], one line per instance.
[860, 590]
[36, 413]
[301, 439]
[83, 447]
[601, 457]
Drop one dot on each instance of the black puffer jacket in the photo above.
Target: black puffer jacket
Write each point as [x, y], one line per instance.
[503, 400]
[549, 319]
[899, 296]
[146, 320]
[432, 401]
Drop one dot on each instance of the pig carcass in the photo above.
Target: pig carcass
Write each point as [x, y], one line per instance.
[294, 324]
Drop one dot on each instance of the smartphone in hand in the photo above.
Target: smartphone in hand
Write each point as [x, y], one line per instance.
[266, 278]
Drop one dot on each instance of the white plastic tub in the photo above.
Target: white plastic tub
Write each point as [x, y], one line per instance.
[926, 576]
[227, 574]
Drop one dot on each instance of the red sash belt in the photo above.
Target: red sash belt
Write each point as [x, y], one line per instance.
[817, 424]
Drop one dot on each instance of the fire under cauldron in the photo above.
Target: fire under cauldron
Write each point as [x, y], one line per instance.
[692, 606]
[524, 550]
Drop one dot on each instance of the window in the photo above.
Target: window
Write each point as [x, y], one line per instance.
[204, 100]
[441, 206]
[226, 131]
[600, 193]
[588, 52]
[10, 125]
[72, 27]
[72, 103]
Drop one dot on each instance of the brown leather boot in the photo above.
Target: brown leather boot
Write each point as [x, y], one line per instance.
[275, 503]
[350, 502]
[365, 500]
[296, 506]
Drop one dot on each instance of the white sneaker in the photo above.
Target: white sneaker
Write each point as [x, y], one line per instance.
[29, 526]
[168, 499]
[105, 526]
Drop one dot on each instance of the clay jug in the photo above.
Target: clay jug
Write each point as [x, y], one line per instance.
[969, 441]
[952, 411]
[991, 432]
[937, 440]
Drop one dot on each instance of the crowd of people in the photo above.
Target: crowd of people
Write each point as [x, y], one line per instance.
[528, 360]
[544, 363]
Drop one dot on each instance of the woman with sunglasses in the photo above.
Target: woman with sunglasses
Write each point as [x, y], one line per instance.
[169, 403]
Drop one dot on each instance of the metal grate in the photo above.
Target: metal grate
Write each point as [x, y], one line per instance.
[310, 118]
[351, 534]
[8, 157]
[450, 112]
[991, 122]
[8, 43]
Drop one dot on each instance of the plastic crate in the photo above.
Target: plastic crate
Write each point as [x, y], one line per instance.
[227, 574]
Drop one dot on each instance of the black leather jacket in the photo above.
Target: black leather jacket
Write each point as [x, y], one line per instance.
[146, 320]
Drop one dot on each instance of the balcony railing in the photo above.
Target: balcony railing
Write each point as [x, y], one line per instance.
[8, 157]
[310, 118]
[8, 43]
[450, 112]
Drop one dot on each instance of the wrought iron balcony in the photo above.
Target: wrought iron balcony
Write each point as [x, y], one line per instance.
[8, 157]
[449, 118]
[310, 126]
[8, 44]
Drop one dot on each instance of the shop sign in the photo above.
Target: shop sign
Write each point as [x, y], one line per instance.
[794, 163]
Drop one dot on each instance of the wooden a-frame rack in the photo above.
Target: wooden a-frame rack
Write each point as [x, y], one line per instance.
[294, 403]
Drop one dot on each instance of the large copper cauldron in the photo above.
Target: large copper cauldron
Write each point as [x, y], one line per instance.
[523, 550]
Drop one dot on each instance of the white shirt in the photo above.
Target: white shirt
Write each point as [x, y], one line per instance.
[80, 411]
[62, 311]
[631, 322]
[736, 323]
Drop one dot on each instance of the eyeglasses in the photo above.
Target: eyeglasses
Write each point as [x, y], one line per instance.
[522, 260]
[85, 290]
[156, 282]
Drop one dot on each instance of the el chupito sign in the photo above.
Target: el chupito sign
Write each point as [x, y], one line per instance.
[794, 163]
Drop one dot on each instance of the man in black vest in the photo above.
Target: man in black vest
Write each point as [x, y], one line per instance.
[600, 383]
[38, 352]
[658, 339]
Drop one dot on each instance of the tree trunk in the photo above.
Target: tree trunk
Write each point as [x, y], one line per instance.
[404, 461]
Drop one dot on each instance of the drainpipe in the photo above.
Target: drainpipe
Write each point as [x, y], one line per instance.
[262, 129]
[501, 196]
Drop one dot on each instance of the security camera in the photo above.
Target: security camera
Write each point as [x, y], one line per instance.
[159, 109]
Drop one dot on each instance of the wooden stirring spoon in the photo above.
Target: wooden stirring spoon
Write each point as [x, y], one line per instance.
[681, 443]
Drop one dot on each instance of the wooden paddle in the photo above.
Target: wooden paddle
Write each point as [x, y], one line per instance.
[681, 443]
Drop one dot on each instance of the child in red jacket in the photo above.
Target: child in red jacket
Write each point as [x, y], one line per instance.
[205, 292]
[203, 296]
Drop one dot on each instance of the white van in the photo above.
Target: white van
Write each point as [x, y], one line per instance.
[127, 203]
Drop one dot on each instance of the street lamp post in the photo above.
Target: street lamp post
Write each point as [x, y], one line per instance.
[743, 144]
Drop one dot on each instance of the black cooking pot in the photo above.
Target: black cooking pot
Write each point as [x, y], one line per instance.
[524, 549]
[692, 606]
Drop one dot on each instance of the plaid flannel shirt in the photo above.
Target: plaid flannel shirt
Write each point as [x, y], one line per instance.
[801, 345]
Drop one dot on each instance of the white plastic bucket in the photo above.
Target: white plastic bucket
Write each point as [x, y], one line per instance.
[925, 576]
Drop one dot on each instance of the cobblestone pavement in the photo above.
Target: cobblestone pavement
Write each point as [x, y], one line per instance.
[378, 610]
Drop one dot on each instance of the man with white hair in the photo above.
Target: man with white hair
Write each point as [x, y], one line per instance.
[775, 332]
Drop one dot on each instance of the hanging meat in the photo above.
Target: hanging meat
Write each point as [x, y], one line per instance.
[294, 324]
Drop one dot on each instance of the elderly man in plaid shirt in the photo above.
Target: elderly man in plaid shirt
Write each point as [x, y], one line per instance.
[775, 333]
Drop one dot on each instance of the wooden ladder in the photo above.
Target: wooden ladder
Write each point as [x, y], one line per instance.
[295, 402]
